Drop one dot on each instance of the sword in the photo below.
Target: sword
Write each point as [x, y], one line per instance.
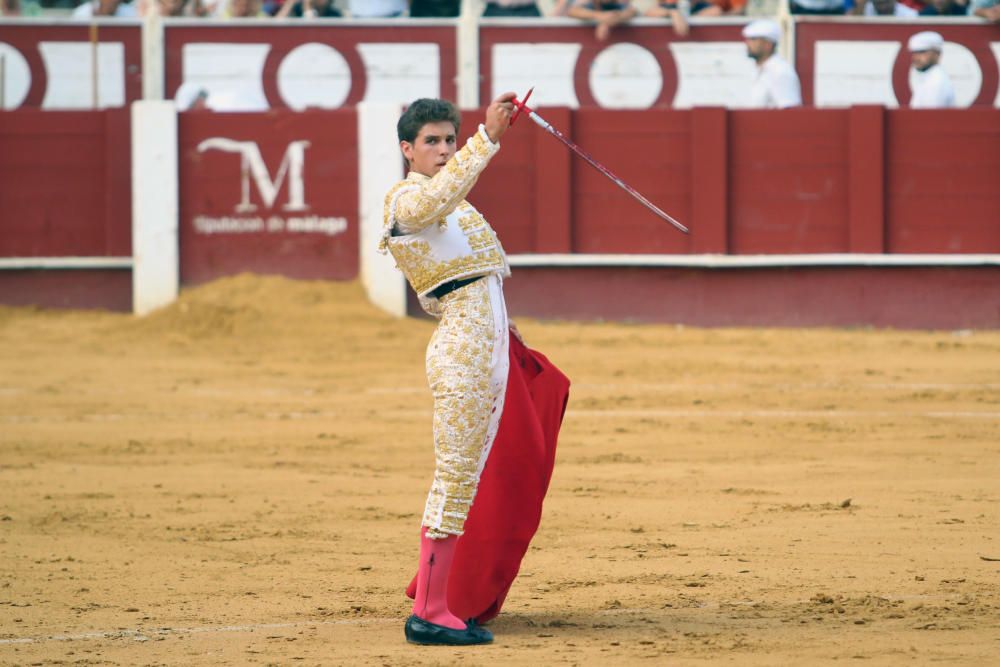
[521, 105]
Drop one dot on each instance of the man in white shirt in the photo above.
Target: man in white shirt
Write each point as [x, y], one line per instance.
[777, 84]
[816, 7]
[376, 9]
[929, 85]
[97, 8]
[885, 8]
[514, 8]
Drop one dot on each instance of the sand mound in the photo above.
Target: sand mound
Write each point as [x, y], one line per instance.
[260, 304]
[264, 310]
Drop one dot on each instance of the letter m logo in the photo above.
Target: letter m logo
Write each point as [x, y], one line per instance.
[252, 167]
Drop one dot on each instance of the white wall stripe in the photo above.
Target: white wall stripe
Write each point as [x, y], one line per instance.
[17, 263]
[638, 413]
[751, 261]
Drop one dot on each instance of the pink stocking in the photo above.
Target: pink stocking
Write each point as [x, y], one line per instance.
[431, 602]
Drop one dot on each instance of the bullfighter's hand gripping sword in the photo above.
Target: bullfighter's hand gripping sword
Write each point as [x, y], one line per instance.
[521, 105]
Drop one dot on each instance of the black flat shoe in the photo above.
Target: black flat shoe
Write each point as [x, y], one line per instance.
[419, 631]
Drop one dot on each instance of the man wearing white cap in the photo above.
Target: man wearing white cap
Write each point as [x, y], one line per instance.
[777, 84]
[929, 83]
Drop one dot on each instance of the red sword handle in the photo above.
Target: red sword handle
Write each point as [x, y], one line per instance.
[521, 105]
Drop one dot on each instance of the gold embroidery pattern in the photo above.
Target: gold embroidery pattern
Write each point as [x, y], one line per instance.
[471, 221]
[432, 199]
[481, 240]
[467, 372]
[481, 147]
[425, 274]
[388, 219]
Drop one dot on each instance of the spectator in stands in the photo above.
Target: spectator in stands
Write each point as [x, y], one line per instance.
[777, 84]
[930, 86]
[243, 9]
[884, 8]
[669, 9]
[198, 8]
[116, 8]
[606, 13]
[434, 8]
[707, 8]
[377, 9]
[986, 9]
[170, 7]
[515, 8]
[820, 7]
[945, 8]
[310, 9]
[12, 9]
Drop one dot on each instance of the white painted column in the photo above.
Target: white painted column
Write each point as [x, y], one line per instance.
[786, 48]
[155, 253]
[467, 52]
[380, 166]
[153, 74]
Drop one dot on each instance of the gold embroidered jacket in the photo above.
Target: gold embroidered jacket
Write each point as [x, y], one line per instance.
[452, 241]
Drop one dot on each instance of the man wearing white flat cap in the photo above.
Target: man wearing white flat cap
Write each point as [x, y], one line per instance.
[777, 84]
[929, 83]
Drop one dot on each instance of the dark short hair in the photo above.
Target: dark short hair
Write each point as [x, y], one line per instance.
[425, 111]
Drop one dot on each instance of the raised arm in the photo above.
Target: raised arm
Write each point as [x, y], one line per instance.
[585, 13]
[413, 204]
[286, 9]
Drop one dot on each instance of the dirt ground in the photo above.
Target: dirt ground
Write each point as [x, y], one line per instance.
[238, 479]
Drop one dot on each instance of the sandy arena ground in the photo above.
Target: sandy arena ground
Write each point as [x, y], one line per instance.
[238, 479]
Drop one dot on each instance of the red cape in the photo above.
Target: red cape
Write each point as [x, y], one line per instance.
[508, 505]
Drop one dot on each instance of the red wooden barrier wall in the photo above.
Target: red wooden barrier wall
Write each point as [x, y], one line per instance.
[860, 180]
[650, 151]
[65, 190]
[788, 182]
[918, 297]
[863, 180]
[66, 179]
[943, 187]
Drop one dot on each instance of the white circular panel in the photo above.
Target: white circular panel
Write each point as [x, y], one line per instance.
[314, 75]
[966, 74]
[16, 76]
[625, 76]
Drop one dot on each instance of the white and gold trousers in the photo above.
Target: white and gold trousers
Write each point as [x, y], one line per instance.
[467, 365]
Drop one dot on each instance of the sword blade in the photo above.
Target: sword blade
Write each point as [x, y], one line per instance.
[541, 122]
